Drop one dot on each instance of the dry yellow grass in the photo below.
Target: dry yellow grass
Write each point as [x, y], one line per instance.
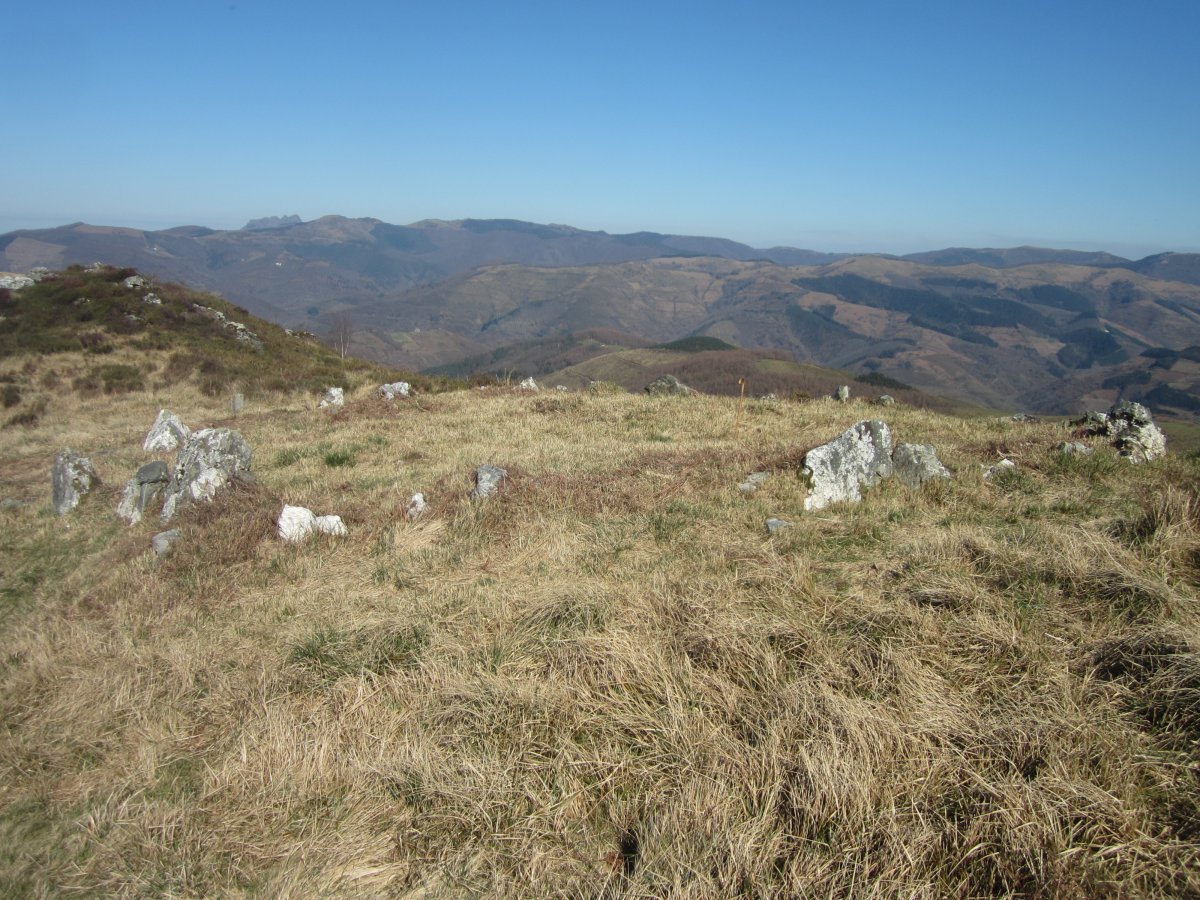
[608, 680]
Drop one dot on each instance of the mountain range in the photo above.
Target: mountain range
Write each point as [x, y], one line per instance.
[1026, 328]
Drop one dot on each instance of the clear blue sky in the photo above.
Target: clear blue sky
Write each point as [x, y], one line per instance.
[839, 126]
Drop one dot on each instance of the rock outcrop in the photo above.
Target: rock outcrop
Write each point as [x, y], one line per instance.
[668, 385]
[860, 457]
[166, 434]
[71, 478]
[488, 479]
[210, 460]
[142, 490]
[1131, 428]
[915, 464]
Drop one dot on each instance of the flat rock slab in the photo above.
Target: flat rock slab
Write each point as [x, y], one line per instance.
[859, 457]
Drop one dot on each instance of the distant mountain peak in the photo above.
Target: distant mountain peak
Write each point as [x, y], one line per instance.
[271, 222]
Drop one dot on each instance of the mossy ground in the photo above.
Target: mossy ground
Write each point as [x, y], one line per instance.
[607, 680]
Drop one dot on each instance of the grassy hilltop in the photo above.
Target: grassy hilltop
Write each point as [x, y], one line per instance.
[607, 680]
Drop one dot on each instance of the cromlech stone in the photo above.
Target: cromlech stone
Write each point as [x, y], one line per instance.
[1005, 465]
[488, 479]
[296, 523]
[885, 400]
[394, 390]
[752, 483]
[915, 464]
[164, 540]
[843, 393]
[1025, 417]
[334, 398]
[529, 385]
[134, 281]
[166, 434]
[236, 404]
[1132, 429]
[860, 456]
[1075, 448]
[416, 507]
[211, 459]
[142, 490]
[668, 385]
[72, 477]
[774, 525]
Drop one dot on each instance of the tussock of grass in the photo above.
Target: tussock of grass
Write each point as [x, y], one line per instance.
[607, 680]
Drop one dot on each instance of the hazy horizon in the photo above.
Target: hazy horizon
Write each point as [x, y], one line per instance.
[862, 127]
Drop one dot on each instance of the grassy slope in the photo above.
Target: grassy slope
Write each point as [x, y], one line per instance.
[607, 680]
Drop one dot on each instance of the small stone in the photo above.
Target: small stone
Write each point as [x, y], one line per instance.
[1075, 448]
[529, 385]
[843, 393]
[752, 483]
[331, 525]
[885, 400]
[236, 404]
[416, 507]
[134, 281]
[488, 479]
[562, 387]
[163, 541]
[774, 525]
[295, 523]
[152, 299]
[1005, 465]
[334, 399]
[71, 478]
[1025, 417]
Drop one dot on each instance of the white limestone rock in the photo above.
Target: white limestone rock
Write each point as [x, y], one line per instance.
[860, 456]
[72, 477]
[334, 398]
[394, 390]
[211, 459]
[416, 507]
[166, 434]
[915, 464]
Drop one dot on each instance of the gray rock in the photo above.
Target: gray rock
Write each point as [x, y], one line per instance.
[843, 393]
[915, 464]
[1075, 448]
[15, 282]
[668, 385]
[752, 483]
[416, 507]
[211, 459]
[1005, 465]
[860, 456]
[1131, 427]
[166, 434]
[71, 478]
[488, 479]
[1024, 417]
[774, 525]
[39, 273]
[164, 540]
[152, 299]
[142, 490]
[334, 398]
[134, 281]
[529, 385]
[236, 404]
[885, 400]
[394, 390]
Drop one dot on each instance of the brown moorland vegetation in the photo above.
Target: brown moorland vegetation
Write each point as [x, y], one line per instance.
[607, 680]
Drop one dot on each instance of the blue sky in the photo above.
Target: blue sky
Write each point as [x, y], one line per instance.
[848, 126]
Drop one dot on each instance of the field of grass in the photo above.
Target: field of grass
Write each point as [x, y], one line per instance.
[607, 680]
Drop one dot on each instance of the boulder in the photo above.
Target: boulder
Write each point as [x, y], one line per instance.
[416, 507]
[134, 281]
[334, 398]
[488, 479]
[668, 385]
[529, 385]
[211, 459]
[163, 541]
[860, 456]
[142, 490]
[296, 523]
[394, 390]
[166, 434]
[72, 477]
[885, 400]
[843, 393]
[774, 525]
[915, 464]
[1131, 427]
